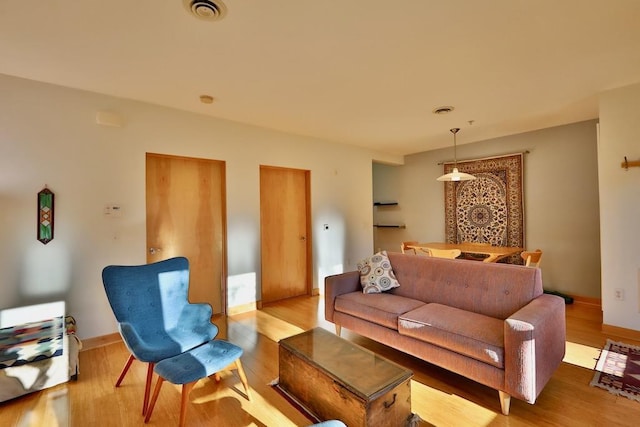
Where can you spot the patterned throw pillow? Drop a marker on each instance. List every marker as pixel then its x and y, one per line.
pixel 376 274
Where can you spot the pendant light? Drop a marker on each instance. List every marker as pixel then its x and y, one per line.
pixel 455 175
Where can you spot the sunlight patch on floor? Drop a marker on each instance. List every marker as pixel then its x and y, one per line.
pixel 228 395
pixel 581 355
pixel 229 384
pixel 52 410
pixel 274 328
pixel 440 415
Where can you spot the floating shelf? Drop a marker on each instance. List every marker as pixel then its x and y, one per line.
pixel 390 225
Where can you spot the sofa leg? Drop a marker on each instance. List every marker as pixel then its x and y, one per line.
pixel 505 402
pixel 338 329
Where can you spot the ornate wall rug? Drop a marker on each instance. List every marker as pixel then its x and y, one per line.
pixel 489 209
pixel 618 370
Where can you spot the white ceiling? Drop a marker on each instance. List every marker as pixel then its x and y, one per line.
pixel 362 72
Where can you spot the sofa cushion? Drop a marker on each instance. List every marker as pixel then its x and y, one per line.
pixel 382 309
pixel 475 335
pixel 376 274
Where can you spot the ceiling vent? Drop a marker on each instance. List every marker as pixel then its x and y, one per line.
pixel 206 9
pixel 446 109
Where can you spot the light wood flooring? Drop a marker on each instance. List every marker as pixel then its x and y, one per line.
pixel 439 397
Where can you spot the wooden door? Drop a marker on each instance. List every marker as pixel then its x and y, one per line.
pixel 186 217
pixel 284 233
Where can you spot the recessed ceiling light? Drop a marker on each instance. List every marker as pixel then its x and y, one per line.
pixel 206 99
pixel 210 10
pixel 443 110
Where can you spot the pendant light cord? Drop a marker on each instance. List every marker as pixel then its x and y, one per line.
pixel 454 131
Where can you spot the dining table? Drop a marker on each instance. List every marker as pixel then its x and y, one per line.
pixel 493 253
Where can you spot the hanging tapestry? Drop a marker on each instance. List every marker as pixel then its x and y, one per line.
pixel 490 208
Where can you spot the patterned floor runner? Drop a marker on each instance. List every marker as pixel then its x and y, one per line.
pixel 618 370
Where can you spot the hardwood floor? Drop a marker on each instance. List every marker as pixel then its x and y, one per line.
pixel 439 397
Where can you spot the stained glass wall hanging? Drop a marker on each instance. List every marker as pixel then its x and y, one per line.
pixel 45 215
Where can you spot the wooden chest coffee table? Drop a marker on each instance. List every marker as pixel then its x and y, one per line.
pixel 336 379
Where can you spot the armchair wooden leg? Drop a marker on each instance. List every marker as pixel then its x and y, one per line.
pixel 338 329
pixel 505 401
pixel 243 378
pixel 186 389
pixel 156 392
pixel 147 387
pixel 125 369
pixel 173 370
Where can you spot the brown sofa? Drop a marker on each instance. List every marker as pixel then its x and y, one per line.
pixel 489 322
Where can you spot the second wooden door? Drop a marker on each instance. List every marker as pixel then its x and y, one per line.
pixel 284 233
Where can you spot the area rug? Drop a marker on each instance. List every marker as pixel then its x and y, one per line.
pixel 489 209
pixel 618 370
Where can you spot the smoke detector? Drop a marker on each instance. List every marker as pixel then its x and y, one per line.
pixel 206 9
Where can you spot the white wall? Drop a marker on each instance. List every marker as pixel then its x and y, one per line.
pixel 620 205
pixel 387 187
pixel 48 135
pixel 561 200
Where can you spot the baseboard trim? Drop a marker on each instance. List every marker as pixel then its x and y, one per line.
pixel 608 329
pixel 243 308
pixel 101 341
pixel 587 300
pixel 621 332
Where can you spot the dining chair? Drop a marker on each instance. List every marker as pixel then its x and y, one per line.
pixel 422 251
pixel 475 256
pixel 442 253
pixel 155 319
pixel 532 258
pixel 404 247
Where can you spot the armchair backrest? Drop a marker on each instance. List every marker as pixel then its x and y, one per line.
pixel 151 297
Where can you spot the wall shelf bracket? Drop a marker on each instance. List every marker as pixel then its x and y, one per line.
pixel 627 164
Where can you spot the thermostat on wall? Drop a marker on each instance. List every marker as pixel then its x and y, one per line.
pixel 113 210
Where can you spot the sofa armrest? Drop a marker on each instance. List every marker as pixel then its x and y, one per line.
pixel 339 284
pixel 534 346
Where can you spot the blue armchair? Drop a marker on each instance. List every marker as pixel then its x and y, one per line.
pixel 155 319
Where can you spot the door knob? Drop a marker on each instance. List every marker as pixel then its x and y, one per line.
pixel 154 251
